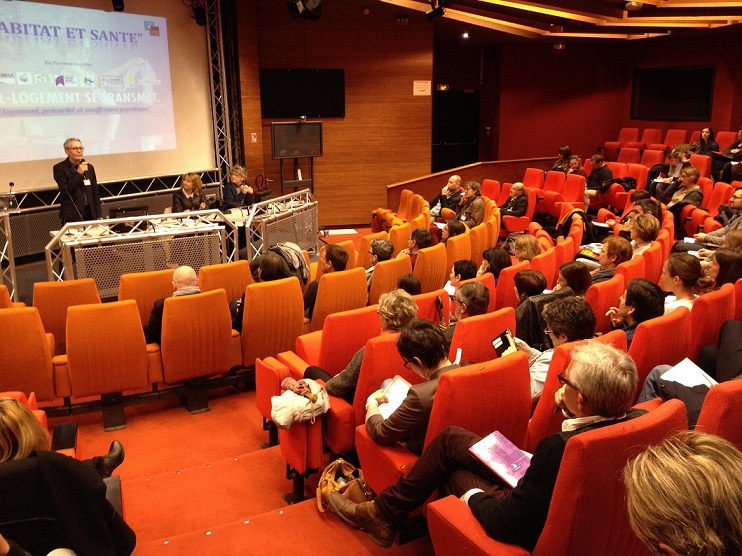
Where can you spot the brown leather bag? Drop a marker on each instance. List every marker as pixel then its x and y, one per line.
pixel 343 477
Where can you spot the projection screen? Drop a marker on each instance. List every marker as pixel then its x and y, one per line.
pixel 133 86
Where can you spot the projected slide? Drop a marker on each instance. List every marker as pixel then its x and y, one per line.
pixel 101 76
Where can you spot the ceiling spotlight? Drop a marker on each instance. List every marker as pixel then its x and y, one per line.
pixel 435 12
pixel 633 6
pixel 560 46
pixel 465 35
pixel 118 5
pixel 199 13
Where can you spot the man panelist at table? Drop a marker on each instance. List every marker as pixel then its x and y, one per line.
pixel 79 196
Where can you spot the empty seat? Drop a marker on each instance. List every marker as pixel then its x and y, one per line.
pixel 197 343
pixel 107 364
pixel 53 298
pixel 474 335
pixel 458 248
pixel 273 318
pixel 145 288
pixel 625 135
pixel 629 155
pixel 649 136
pixel 338 291
pixel 386 275
pixel 601 297
pixel 430 267
pixel 26 352
pixel 233 278
pixel 5 301
pixel 672 137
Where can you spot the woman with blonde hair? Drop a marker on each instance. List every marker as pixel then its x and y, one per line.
pixel 396 309
pixel 20 432
pixel 190 195
pixel 526 247
pixel 644 230
pixel 684 496
pixel 86 523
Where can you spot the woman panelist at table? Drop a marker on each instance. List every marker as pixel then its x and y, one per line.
pixel 189 197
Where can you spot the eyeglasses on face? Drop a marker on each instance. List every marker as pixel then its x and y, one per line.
pixel 548 331
pixel 406 362
pixel 564 380
pixel 455 299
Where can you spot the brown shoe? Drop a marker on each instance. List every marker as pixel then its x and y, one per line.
pixel 363 516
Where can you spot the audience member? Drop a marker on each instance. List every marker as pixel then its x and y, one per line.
pixel 706 145
pixel 733 240
pixel 721 362
pixel 264 268
pixel 575 275
pixel 460 271
pixel 684 496
pixel 22 437
pixel 449 197
pixel 616 250
pixel 600 374
pixel 722 164
pixel 450 229
pixel 517 203
pixel 494 260
pixel 526 247
pixel 641 203
pixel 725 267
pixel 679 160
pixel 380 250
pixel 410 283
pixel 642 300
pixel 724 361
pixel 599 174
pixel 644 231
pixel 190 195
pixel 419 239
pixel 529 283
pixel 686 192
pixel 185 282
pixel 575 167
pixel 471 206
pixel 682 275
pixel 562 163
pixel 396 310
pixel 423 349
pixel 236 191
pixel 717 236
pixel 567 319
pixel 333 258
pixel 470 299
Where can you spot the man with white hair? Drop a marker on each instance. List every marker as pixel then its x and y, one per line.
pixel 517 203
pixel 597 390
pixel 185 282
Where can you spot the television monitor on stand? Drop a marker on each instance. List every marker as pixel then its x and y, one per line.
pixel 295 140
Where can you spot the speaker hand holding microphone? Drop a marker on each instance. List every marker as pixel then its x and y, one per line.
pixel 82 168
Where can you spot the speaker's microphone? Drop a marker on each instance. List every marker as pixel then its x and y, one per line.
pixel 85 173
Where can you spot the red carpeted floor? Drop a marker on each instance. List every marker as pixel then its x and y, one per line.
pixel 201 484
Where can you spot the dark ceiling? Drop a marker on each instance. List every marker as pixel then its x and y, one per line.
pixel 574 20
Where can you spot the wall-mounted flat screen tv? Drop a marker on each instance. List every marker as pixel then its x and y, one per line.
pixel 291 93
pixel 296 139
pixel 673 94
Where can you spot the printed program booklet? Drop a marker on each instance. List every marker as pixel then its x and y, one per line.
pixel 503 457
pixel 396 392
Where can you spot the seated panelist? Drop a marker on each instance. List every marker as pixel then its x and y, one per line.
pixel 190 195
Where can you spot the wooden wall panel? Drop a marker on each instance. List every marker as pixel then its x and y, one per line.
pixel 386 133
